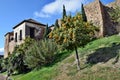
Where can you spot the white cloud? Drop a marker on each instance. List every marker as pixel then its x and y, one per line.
pixel 1 49
pixel 37 14
pixel 56 7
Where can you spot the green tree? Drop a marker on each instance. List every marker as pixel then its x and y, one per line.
pixel 15 61
pixel 5 63
pixel 64 11
pixel 83 13
pixel 46 32
pixel 74 32
pixel 56 24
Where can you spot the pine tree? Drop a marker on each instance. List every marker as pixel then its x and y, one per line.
pixel 56 24
pixel 64 11
pixel 83 13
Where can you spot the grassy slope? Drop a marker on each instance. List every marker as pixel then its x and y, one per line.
pixel 103 54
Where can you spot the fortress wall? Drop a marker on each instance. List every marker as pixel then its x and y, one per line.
pixel 11 46
pixel 109 27
pixel 94 14
pixel 8 44
pixel 6 47
pixel 98 14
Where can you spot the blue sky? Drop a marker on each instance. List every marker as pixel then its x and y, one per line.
pixel 45 11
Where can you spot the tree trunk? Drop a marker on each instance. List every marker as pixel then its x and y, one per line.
pixel 77 59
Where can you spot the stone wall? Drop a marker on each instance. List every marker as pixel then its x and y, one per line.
pixel 25 27
pixel 118 27
pixel 94 15
pixel 17 30
pixel 109 27
pixel 39 30
pixel 8 48
pixel 11 46
pixel 97 14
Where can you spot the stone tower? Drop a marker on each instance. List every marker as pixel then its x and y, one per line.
pixel 97 14
pixel 9 44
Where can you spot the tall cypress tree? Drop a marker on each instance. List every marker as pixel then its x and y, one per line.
pixel 83 13
pixel 56 24
pixel 46 32
pixel 64 11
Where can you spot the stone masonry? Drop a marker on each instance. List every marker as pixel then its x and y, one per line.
pixel 98 14
pixel 9 44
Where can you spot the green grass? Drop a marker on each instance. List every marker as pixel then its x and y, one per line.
pixel 104 51
pixel 46 73
pixel 103 42
pixel 42 74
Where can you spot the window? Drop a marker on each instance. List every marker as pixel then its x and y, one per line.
pixel 32 32
pixel 20 34
pixel 15 37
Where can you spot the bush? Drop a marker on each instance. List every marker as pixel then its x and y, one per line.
pixel 41 53
pixel 1 64
pixel 115 14
pixel 15 61
pixel 5 63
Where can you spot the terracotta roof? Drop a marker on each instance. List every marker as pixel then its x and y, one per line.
pixel 30 21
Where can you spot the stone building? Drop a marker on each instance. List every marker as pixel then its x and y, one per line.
pixel 22 30
pixel 98 14
pixel 9 44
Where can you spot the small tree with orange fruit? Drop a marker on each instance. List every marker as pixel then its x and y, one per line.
pixel 73 33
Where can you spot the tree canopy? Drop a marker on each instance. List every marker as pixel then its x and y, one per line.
pixel 73 32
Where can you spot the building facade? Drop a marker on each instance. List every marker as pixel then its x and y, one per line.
pixel 27 28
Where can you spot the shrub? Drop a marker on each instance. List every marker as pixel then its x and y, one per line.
pixel 5 63
pixel 15 61
pixel 1 64
pixel 41 53
pixel 115 14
